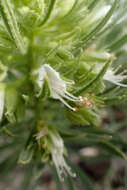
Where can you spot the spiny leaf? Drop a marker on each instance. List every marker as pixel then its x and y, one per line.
pixel 119 43
pixel 93 4
pixel 102 142
pixel 49 11
pixel 94 32
pixel 95 80
pixel 56 178
pixel 69 183
pixel 87 183
pixel 27 177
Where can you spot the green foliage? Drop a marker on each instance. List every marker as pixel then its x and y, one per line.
pixel 59 68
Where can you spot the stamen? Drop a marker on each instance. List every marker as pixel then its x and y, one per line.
pixel 86 102
pixel 120 84
pixel 75 109
pixel 74 97
pixel 64 102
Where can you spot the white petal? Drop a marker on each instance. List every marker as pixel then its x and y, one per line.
pixel 57 86
pixel 56 139
pixel 115 78
pixel 57 152
pixel 2 97
pixel 41 76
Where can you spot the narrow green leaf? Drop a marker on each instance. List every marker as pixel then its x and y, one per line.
pixel 49 12
pixel 8 164
pixel 69 183
pixel 93 4
pixel 101 24
pixel 11 24
pixel 116 99
pixel 27 178
pixel 94 81
pixel 98 28
pixel 56 178
pixel 119 43
pixel 87 183
pixel 100 141
pixel 114 149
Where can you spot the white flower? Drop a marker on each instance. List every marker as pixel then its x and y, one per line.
pixel 57 152
pixel 114 78
pixel 2 97
pixel 57 86
pixel 41 74
pixel 56 148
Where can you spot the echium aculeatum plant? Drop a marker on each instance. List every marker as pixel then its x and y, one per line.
pixel 56 71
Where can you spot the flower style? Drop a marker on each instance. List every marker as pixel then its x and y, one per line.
pixel 56 148
pixel 114 78
pixel 57 86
